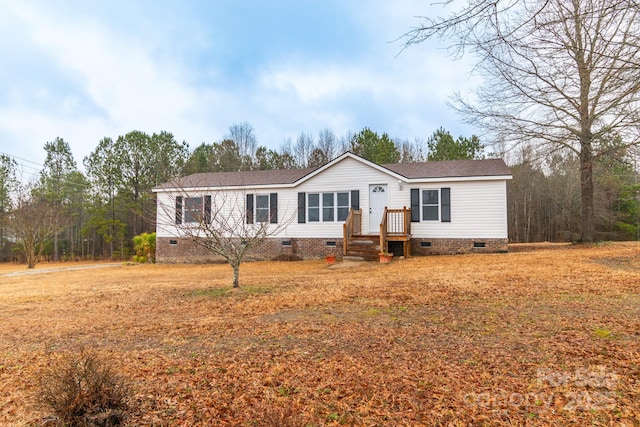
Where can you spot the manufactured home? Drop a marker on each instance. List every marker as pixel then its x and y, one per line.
pixel 349 206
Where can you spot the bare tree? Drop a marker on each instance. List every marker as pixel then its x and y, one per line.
pixel 328 144
pixel 302 149
pixel 226 223
pixel 244 137
pixel 557 73
pixel 33 221
pixel 410 152
pixel 344 143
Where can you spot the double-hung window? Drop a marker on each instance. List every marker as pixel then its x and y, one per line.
pixel 328 203
pixel 314 207
pixel 328 207
pixel 343 206
pixel 262 208
pixel 430 205
pixel 193 209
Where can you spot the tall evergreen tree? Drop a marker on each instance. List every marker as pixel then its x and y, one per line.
pixel 442 146
pixel 55 187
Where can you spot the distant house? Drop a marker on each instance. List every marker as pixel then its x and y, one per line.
pixel 349 206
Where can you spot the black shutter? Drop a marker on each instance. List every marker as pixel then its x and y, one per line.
pixel 355 199
pixel 445 200
pixel 249 208
pixel 302 208
pixel 273 208
pixel 178 209
pixel 207 209
pixel 415 205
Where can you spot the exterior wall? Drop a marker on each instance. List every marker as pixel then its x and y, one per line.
pixel 478 210
pixel 478 215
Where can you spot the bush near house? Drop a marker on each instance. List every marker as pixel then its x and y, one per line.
pixel 145 247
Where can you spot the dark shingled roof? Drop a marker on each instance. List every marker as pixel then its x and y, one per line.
pixel 241 178
pixel 450 169
pixel 445 169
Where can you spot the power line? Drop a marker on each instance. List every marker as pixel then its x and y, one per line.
pixel 20 158
pixel 37 171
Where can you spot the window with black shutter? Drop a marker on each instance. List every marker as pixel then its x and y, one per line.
pixel 178 209
pixel 249 209
pixel 302 198
pixel 415 205
pixel 445 200
pixel 273 208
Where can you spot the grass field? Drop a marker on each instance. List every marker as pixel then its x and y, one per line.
pixel 538 336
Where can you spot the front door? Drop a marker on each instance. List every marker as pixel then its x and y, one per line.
pixel 377 202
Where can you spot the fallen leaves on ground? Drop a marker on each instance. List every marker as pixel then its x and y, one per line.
pixel 541 336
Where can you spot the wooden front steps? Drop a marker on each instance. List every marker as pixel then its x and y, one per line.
pixel 363 247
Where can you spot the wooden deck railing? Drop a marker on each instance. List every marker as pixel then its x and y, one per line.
pixel 352 226
pixel 395 225
pixel 383 231
pixel 398 221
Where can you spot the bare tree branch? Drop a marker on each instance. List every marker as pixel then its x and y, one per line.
pixel 220 221
pixel 557 73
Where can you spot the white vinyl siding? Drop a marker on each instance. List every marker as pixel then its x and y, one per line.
pixel 478 210
pixel 478 207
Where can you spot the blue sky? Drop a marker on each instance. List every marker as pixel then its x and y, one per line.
pixel 83 70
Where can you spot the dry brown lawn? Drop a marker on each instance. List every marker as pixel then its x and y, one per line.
pixel 541 336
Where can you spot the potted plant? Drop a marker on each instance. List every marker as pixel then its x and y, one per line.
pixel 330 258
pixel 385 257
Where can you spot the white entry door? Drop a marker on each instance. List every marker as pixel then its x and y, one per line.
pixel 377 201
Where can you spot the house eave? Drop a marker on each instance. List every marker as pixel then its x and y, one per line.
pixel 457 179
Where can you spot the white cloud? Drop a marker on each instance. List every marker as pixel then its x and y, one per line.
pixel 104 79
pixel 129 88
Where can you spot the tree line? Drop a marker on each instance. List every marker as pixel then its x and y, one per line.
pixel 67 213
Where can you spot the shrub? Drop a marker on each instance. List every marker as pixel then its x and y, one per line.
pixel 145 246
pixel 83 390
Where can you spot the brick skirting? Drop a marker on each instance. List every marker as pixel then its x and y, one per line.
pixel 179 250
pixel 457 246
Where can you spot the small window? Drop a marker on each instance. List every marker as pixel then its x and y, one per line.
pixel 328 207
pixel 314 207
pixel 286 243
pixel 378 189
pixel 173 242
pixel 430 205
pixel 331 243
pixel 478 244
pixel 262 208
pixel 192 209
pixel 425 244
pixel 343 206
